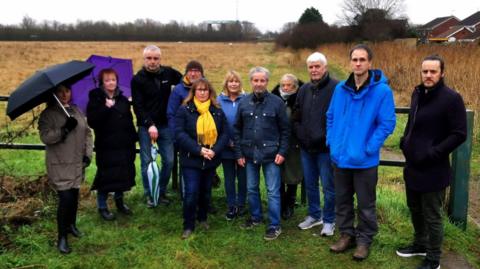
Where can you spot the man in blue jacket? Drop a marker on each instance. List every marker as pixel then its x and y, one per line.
pixel 360 117
pixel 261 133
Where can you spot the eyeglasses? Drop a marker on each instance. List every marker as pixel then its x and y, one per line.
pixel 152 58
pixel 201 90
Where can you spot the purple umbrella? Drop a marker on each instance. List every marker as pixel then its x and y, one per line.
pixel 123 67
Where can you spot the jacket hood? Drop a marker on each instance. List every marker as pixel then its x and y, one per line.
pixel 377 77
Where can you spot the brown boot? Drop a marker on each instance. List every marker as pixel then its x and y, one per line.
pixel 361 252
pixel 344 242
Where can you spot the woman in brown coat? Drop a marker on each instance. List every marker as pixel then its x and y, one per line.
pixel 68 143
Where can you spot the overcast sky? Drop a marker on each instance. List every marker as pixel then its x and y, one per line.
pixel 267 14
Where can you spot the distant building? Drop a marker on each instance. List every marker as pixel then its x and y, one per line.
pixel 451 29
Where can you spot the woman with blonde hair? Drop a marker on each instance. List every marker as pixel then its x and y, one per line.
pixel 201 134
pixel 229 99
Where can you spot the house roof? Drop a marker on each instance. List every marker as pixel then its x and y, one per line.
pixel 453 30
pixel 472 19
pixel 434 23
pixel 473 36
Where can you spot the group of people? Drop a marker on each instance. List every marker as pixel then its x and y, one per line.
pixel 322 131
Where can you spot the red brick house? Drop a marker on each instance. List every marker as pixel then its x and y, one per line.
pixel 438 26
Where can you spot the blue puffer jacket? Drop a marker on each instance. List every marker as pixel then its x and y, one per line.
pixel 175 100
pixel 261 129
pixel 359 123
pixel 186 136
pixel 230 108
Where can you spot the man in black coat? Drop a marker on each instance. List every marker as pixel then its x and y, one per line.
pixel 261 133
pixel 151 88
pixel 309 123
pixel 436 126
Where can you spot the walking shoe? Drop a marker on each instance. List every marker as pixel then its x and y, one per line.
pixel 163 199
pixel 150 202
pixel 122 207
pixel 106 214
pixel 411 251
pixel 344 242
pixel 186 233
pixel 328 229
pixel 232 213
pixel 309 222
pixel 361 252
pixel 250 224
pixel 272 233
pixel 242 211
pixel 427 264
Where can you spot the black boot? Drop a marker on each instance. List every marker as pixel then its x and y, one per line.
pixel 72 227
pixel 106 214
pixel 74 231
pixel 62 244
pixel 65 201
pixel 122 207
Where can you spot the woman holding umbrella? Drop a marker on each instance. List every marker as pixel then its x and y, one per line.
pixel 68 143
pixel 201 133
pixel 109 115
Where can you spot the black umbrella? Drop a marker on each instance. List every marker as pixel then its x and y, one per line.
pixel 38 88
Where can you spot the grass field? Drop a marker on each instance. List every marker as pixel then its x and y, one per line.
pixel 151 238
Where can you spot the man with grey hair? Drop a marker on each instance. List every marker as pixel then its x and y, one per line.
pixel 151 88
pixel 261 133
pixel 309 123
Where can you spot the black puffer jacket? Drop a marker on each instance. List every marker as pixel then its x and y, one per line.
pixel 150 93
pixel 115 139
pixel 436 126
pixel 309 114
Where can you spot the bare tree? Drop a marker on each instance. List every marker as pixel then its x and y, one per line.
pixel 353 9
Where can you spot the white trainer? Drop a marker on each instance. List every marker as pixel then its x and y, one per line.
pixel 309 222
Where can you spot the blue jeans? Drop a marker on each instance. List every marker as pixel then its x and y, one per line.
pixel 271 173
pixel 232 170
pixel 165 149
pixel 197 185
pixel 103 196
pixel 317 165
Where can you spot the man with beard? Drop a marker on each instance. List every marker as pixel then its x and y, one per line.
pixel 436 126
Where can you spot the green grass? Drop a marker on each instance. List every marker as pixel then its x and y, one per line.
pixel 151 238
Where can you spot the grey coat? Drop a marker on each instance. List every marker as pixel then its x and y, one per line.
pixel 64 157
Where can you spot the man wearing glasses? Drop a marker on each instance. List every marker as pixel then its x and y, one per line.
pixel 151 88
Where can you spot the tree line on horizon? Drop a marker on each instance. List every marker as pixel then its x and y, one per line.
pixel 363 20
pixel 139 30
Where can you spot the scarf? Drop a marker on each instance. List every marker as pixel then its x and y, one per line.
pixel 186 82
pixel 284 94
pixel 206 128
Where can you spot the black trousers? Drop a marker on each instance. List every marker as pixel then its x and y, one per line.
pixel 426 213
pixel 67 210
pixel 288 195
pixel 363 184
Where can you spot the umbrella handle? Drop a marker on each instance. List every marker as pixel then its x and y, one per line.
pixel 60 104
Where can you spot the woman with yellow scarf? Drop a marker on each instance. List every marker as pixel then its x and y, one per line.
pixel 201 133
